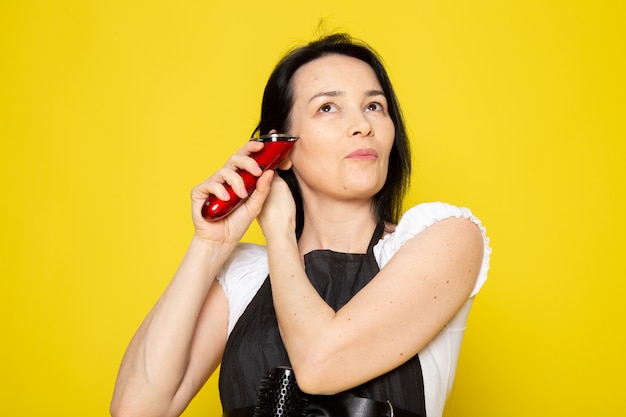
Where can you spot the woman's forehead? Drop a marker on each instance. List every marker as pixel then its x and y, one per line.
pixel 333 74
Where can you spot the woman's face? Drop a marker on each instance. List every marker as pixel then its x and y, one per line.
pixel 346 134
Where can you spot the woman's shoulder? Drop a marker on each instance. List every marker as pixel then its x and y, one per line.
pixel 418 218
pixel 423 215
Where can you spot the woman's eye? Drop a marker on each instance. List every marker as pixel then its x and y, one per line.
pixel 374 107
pixel 327 108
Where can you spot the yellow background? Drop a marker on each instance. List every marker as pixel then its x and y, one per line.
pixel 112 110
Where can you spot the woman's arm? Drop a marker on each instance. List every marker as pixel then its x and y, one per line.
pixel 181 341
pixel 391 319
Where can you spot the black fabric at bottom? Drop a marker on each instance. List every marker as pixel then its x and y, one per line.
pixel 255 345
pixel 338 406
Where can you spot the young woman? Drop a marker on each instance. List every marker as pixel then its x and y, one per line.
pixel 367 304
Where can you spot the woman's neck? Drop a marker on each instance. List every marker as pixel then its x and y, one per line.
pixel 339 226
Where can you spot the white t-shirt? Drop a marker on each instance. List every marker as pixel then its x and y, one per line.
pixel 244 272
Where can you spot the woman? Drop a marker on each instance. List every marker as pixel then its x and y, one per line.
pixel 358 304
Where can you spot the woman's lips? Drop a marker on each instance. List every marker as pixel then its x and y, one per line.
pixel 363 154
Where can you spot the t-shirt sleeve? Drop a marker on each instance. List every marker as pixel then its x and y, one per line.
pixel 419 218
pixel 241 277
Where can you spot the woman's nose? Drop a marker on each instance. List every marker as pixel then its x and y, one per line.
pixel 360 125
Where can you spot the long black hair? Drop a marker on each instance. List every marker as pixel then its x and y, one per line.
pixel 278 101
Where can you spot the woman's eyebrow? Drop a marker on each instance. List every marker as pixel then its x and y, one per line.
pixel 333 93
pixel 336 93
pixel 371 93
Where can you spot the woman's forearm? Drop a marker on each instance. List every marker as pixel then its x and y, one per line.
pixel 156 364
pixel 300 311
pixel 388 321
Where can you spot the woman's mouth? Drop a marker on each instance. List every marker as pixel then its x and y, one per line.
pixel 363 154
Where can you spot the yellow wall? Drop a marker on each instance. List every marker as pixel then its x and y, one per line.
pixel 112 110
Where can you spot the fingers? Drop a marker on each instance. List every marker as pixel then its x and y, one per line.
pixel 250 147
pixel 264 183
pixel 230 175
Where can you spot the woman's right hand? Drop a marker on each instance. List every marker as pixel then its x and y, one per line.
pixel 231 228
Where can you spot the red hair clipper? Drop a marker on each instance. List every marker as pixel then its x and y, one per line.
pixel 277 146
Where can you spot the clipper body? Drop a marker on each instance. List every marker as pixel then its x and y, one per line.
pixel 277 146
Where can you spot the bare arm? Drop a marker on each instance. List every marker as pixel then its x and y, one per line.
pixel 178 345
pixel 391 319
pixel 181 341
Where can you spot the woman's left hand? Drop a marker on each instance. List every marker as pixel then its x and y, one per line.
pixel 278 216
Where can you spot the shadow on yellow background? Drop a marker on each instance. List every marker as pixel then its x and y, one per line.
pixel 112 111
